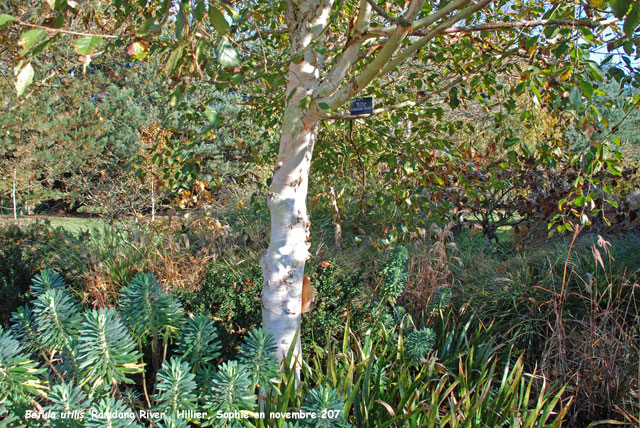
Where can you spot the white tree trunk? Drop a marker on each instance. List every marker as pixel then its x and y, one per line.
pixel 283 262
pixel 13 195
pixel 153 197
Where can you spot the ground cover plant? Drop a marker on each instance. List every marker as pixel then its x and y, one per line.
pixel 57 357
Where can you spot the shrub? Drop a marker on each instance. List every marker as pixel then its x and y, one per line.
pixel 26 250
pixel 341 291
pixel 230 294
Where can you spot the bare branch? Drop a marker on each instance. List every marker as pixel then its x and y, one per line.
pixel 429 20
pixel 364 17
pixel 373 68
pixel 404 55
pixel 442 88
pixel 259 34
pixel 60 30
pixel 349 55
pixel 532 23
pixel 380 11
pixel 408 103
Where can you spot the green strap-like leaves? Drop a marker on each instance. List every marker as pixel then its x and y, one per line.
pixel 258 354
pixel 148 310
pixel 229 390
pixel 58 318
pixel 18 373
pixel 177 387
pixel 66 398
pixel 198 342
pixel 106 351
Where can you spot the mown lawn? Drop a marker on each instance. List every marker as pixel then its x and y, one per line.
pixel 72 224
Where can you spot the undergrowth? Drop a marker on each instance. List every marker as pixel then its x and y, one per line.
pixel 571 309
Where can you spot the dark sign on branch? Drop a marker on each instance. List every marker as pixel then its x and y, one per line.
pixel 362 106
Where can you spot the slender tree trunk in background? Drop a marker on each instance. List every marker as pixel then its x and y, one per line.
pixel 13 195
pixel 153 198
pixel 283 262
pixel 336 219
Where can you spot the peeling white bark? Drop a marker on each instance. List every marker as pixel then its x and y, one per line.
pixel 283 262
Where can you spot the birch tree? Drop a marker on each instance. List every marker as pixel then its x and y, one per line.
pixel 302 61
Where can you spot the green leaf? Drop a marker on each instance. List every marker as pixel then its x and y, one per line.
pixel 198 12
pixel 86 45
pixel 229 389
pixel 57 4
pixel 587 89
pixel 521 87
pixel 538 98
pixel 323 106
pixel 44 45
pixel 510 142
pixel 227 55
pixel 575 97
pixel 614 168
pixel 180 24
pixel 174 61
pixel 579 201
pixel 4 19
pixel 218 21
pixel 231 11
pixel 258 356
pixel 632 21
pixel 20 374
pixel 320 49
pixel 29 38
pixel 454 101
pixel 198 342
pixel 163 318
pixel 620 7
pixel 25 78
pixel 176 387
pixel 213 116
pixel 305 102
pixel 57 318
pixel 106 350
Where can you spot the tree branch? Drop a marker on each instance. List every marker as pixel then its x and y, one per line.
pixel 404 55
pixel 373 69
pixel 532 23
pixel 259 34
pixel 349 55
pixel 408 103
pixel 59 30
pixel 441 89
pixel 429 20
pixel 380 11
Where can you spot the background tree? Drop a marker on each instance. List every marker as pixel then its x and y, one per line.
pixel 71 146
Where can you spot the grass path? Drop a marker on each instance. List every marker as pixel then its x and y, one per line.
pixel 71 224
